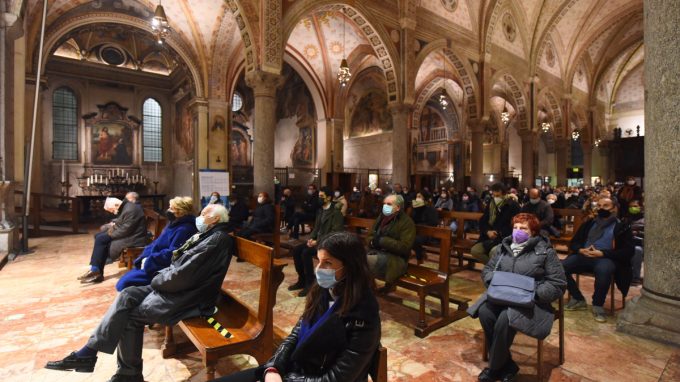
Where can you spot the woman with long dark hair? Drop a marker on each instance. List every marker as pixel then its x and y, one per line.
pixel 338 335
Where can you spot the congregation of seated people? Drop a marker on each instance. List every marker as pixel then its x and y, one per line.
pixel 180 273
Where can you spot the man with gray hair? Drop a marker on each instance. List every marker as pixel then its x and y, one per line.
pixel 189 287
pixel 390 241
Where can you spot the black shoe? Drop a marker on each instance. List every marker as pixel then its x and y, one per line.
pixel 509 372
pixel 127 378
pixel 303 292
pixel 487 376
pixel 72 362
pixel 85 275
pixel 297 286
pixel 95 277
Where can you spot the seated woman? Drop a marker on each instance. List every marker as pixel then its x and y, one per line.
pixel 263 218
pixel 338 335
pixel 158 254
pixel 528 254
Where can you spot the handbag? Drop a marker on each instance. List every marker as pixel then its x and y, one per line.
pixel 511 289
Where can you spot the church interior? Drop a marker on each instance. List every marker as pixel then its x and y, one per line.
pixel 366 101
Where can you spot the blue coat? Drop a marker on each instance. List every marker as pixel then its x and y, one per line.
pixel 159 252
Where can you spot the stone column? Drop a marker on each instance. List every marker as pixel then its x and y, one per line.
pixel 587 163
pixel 329 146
pixel 477 155
pixel 199 107
pixel 264 85
pixel 400 142
pixel 656 313
pixel 561 147
pixel 528 173
pixel 218 134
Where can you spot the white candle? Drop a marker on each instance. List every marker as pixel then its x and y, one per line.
pixel 88 181
pixel 106 181
pixel 63 173
pixel 156 174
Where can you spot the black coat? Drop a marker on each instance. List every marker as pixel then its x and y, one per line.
pixel 502 224
pixel 342 349
pixel 129 230
pixel 288 206
pixel 263 218
pixel 238 213
pixel 621 253
pixel 425 215
pixel 543 212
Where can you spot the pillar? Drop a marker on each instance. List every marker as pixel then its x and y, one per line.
pixel 587 163
pixel 218 134
pixel 528 173
pixel 199 107
pixel 561 147
pixel 400 142
pixel 264 85
pixel 656 313
pixel 329 146
pixel 477 154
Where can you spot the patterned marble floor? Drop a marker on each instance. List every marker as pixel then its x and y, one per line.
pixel 45 314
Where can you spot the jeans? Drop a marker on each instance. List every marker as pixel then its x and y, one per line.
pixel 100 251
pixel 304 263
pixel 603 269
pixel 499 335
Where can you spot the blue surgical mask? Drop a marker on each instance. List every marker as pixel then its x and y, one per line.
pixel 213 199
pixel 201 226
pixel 325 278
pixel 387 210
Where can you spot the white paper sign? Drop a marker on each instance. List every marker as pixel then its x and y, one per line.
pixel 210 181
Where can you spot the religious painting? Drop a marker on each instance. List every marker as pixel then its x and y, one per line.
pixel 509 28
pixel 370 115
pixel 239 148
pixel 430 120
pixel 217 143
pixel 184 129
pixel 112 139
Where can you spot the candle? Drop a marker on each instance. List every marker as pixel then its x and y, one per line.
pixel 88 181
pixel 63 174
pixel 156 174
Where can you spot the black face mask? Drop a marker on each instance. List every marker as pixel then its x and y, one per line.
pixel 603 213
pixel 170 215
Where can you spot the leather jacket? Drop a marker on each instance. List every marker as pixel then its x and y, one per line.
pixel 341 349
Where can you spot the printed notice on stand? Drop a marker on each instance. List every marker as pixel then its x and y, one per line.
pixel 213 180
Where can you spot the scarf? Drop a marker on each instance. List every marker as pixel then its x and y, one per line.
pixel 518 247
pixel 494 209
pixel 599 227
pixel 307 327
pixel 187 244
pixel 387 220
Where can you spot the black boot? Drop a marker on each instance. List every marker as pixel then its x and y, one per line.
pixel 127 378
pixel 72 362
pixel 297 286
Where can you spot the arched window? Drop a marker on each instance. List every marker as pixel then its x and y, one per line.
pixel 64 124
pixel 152 133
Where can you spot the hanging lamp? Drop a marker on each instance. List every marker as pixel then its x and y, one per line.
pixel 344 74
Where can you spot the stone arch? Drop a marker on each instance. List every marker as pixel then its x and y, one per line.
pixel 462 70
pixel 517 96
pixel 56 31
pixel 556 110
pixel 247 35
pixel 498 9
pixel 426 93
pixel 320 101
pixel 372 29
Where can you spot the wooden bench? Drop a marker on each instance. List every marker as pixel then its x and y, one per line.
pixel 427 281
pixel 463 243
pixel 252 332
pixel 155 223
pixel 572 219
pixel 272 239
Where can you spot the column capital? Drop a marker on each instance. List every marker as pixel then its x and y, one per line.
pixel 264 83
pixel 7 19
pixel 399 108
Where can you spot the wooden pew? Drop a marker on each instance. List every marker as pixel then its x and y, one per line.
pixel 462 243
pixel 273 239
pixel 252 332
pixel 572 219
pixel 155 223
pixel 426 281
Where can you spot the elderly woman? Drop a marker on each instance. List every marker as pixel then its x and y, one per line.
pixel 158 255
pixel 525 253
pixel 337 337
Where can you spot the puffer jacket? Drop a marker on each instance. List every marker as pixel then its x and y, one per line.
pixel 538 260
pixel 341 349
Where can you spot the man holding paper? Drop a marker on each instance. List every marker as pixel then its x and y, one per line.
pixel 128 230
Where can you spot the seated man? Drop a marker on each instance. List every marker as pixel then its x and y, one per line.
pixel 157 255
pixel 390 241
pixel 541 209
pixel 238 212
pixel 309 207
pixel 288 208
pixel 263 218
pixel 128 230
pixel 495 224
pixel 603 246
pixel 187 288
pixel 329 219
pixel 422 214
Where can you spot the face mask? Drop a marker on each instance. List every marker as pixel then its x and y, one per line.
pixel 337 194
pixel 631 182
pixel 355 189
pixel 551 201
pixel 498 199
pixel 519 236
pixel 170 215
pixel 231 203
pixel 201 225
pixel 325 278
pixel 534 201
pixel 465 198
pixel 593 204
pixel 634 210
pixel 567 195
pixel 387 210
pixel 602 213
pixel 260 199
pixel 213 199
pixel 310 192
pixel 443 196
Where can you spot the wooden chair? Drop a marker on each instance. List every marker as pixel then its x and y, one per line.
pixel 251 332
pixel 427 281
pixel 155 223
pixel 572 220
pixel 462 244
pixel 612 292
pixel 559 316
pixel 382 365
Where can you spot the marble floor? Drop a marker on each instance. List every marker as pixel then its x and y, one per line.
pixel 45 314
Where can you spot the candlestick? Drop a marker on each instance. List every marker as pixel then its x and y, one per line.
pixel 88 181
pixel 156 171
pixel 63 175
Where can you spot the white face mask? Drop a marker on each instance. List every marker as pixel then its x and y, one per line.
pixel 260 199
pixel 498 199
pixel 337 194
pixel 631 182
pixel 551 201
